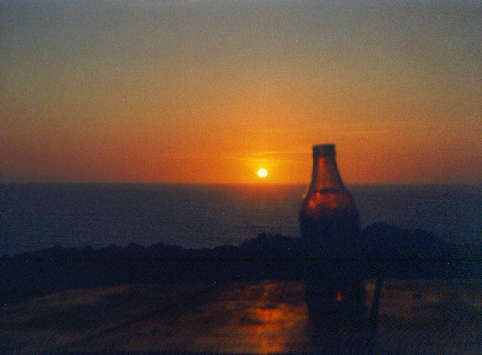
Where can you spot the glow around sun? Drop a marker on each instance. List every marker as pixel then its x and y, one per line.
pixel 262 173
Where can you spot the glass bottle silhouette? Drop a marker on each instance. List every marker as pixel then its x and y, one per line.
pixel 330 230
pixel 329 220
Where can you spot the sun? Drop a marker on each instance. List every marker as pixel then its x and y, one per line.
pixel 262 173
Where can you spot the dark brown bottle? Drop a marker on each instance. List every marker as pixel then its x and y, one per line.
pixel 329 220
pixel 334 282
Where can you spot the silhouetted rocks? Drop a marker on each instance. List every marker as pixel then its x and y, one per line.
pixel 397 243
pixel 387 250
pixel 401 253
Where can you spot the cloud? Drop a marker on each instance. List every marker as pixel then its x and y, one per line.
pixel 363 132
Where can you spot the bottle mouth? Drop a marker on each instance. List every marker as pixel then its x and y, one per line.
pixel 324 150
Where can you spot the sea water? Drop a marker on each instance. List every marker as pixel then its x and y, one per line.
pixel 37 216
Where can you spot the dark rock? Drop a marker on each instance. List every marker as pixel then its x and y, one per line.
pixel 387 250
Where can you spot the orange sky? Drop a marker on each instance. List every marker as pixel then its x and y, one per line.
pixel 211 91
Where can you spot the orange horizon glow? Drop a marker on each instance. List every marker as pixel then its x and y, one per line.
pixel 193 92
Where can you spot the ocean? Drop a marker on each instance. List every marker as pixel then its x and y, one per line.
pixel 38 216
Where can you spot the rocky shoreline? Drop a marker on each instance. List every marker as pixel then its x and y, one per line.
pixel 387 250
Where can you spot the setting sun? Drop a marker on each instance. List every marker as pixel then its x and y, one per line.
pixel 262 173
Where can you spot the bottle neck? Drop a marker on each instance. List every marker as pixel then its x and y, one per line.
pixel 325 173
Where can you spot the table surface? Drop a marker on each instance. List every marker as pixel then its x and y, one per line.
pixel 415 316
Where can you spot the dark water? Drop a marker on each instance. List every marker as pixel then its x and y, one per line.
pixel 36 216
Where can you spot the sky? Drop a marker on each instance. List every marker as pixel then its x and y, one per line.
pixel 211 91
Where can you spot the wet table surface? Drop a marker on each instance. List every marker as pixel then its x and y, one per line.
pixel 247 317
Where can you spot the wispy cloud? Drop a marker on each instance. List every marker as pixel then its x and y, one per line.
pixel 363 132
pixel 274 157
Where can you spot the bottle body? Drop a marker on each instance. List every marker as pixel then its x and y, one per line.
pixel 331 236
